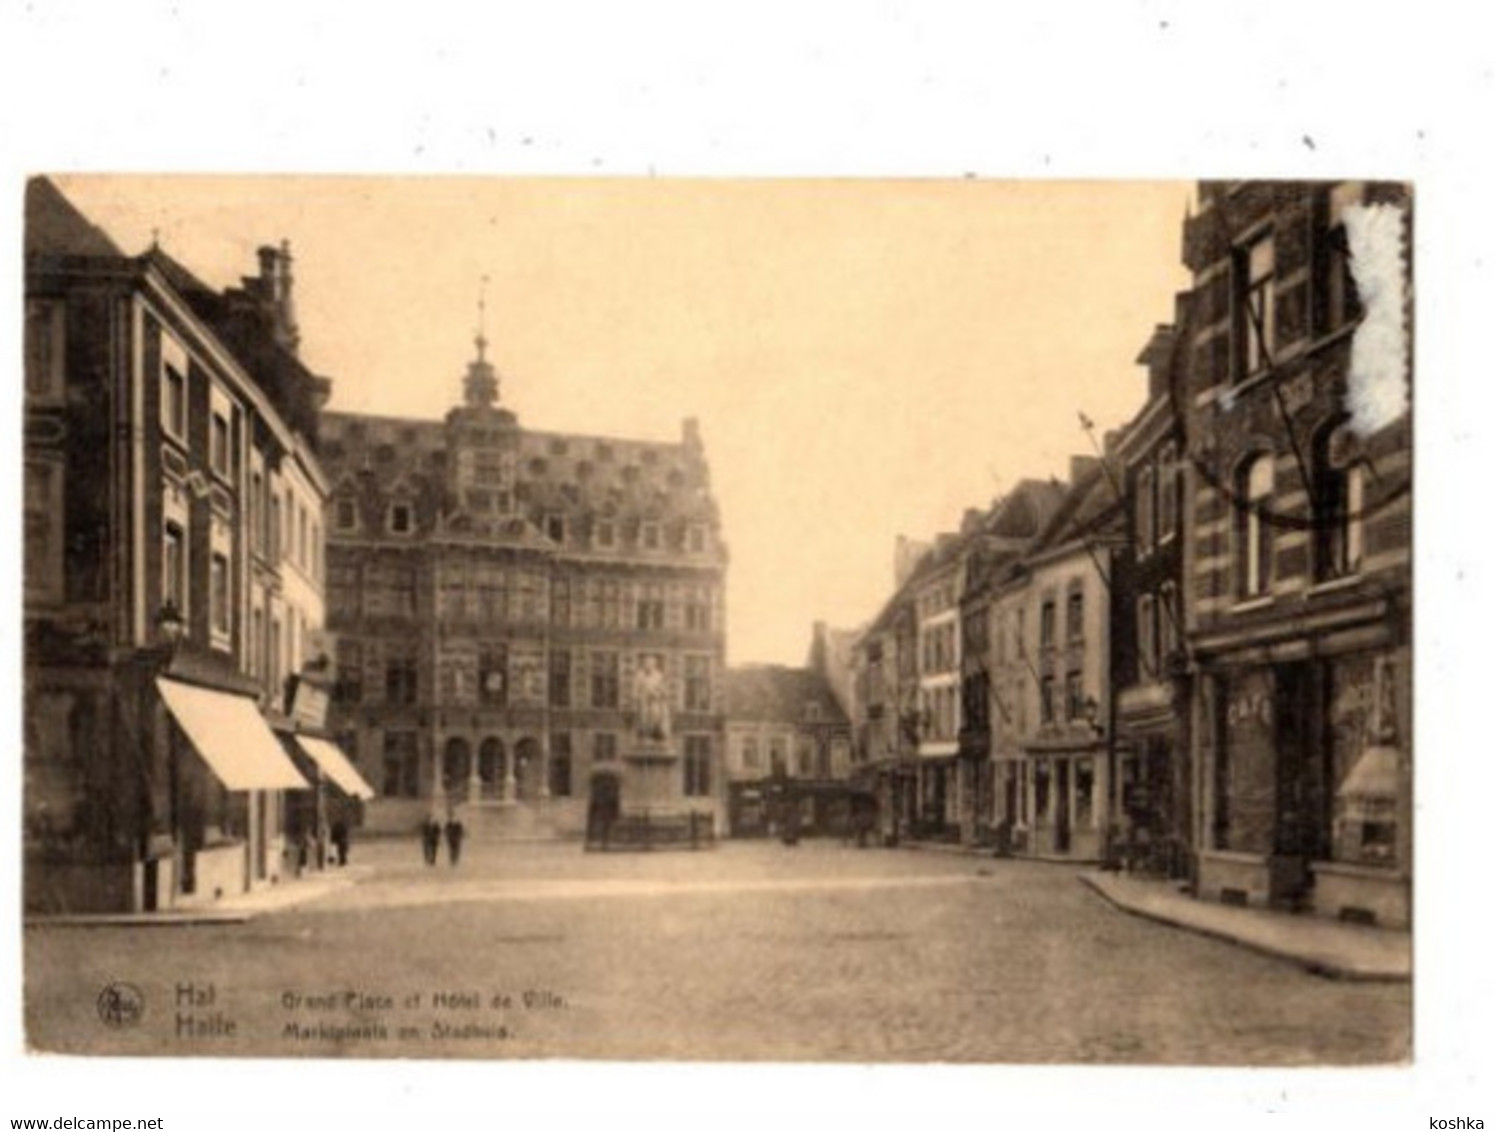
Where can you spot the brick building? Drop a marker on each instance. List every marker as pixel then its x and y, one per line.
pixel 1298 544
pixel 172 569
pixel 528 624
pixel 1155 807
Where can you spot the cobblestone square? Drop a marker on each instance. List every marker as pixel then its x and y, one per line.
pixel 751 951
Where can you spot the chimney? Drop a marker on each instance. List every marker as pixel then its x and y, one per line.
pixel 818 649
pixel 906 555
pixel 268 256
pixel 1157 356
pixel 272 292
pixel 690 432
pixel 286 331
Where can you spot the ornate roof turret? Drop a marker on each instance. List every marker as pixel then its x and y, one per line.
pixel 480 386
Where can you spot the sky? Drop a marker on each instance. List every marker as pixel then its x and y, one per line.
pixel 866 358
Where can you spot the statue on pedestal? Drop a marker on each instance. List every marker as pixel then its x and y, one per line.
pixel 653 701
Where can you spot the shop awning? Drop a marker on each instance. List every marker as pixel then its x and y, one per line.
pixel 335 765
pixel 232 737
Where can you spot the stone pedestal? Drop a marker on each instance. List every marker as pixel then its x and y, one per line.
pixel 651 781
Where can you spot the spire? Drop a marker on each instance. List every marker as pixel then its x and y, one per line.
pixel 482 339
pixel 480 386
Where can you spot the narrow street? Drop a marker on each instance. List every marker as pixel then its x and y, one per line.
pixel 752 951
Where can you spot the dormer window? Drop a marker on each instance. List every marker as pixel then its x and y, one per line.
pixel 555 528
pixel 401 518
pixel 697 540
pixel 812 712
pixel 607 534
pixel 649 536
pixel 345 514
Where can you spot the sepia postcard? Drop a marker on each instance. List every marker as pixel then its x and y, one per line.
pixel 960 620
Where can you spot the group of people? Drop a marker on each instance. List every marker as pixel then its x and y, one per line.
pixel 431 832
pixel 309 847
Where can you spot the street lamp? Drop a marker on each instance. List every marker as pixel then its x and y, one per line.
pixel 172 627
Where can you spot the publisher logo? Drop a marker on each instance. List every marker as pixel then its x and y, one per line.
pixel 121 1006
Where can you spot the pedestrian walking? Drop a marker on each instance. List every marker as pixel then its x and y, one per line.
pixel 454 833
pixel 340 841
pixel 430 836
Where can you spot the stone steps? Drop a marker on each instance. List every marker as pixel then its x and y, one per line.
pixel 507 821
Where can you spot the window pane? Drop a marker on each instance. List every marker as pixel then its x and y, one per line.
pixel 1260 260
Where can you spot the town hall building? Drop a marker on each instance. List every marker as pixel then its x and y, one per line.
pixel 529 626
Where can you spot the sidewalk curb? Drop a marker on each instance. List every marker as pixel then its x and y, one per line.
pixel 1313 964
pixel 167 919
pixel 236 910
pixel 989 854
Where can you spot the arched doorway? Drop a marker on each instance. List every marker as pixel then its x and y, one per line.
pixel 602 806
pixel 456 765
pixel 527 769
pixel 491 767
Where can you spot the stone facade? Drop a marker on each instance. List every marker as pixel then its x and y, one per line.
pixel 508 604
pixel 171 486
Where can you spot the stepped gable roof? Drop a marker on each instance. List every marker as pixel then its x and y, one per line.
pixel 559 473
pixel 777 693
pixel 55 227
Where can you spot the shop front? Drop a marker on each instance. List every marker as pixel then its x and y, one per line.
pixel 1067 800
pixel 1154 821
pixel 227 804
pixel 748 808
pixel 1309 792
pixel 938 800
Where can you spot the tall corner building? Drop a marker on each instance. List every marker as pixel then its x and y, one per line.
pixel 173 573
pixel 529 625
